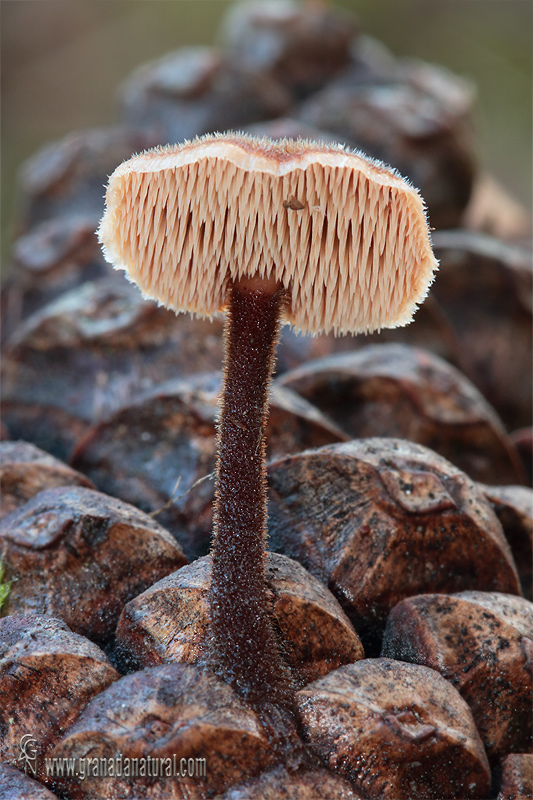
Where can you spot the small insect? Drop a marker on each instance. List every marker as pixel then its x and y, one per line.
pixel 293 203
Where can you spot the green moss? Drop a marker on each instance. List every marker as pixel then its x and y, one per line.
pixel 5 586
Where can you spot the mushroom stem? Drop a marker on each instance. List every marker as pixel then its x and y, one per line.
pixel 245 650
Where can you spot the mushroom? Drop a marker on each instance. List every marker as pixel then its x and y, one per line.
pixel 269 231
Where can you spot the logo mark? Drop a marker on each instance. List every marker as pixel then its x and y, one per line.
pixel 28 753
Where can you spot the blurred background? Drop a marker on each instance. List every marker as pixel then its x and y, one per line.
pixel 64 60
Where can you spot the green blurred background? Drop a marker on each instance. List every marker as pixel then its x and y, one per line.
pixel 63 61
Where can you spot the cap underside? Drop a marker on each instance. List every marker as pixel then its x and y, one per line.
pixel 348 239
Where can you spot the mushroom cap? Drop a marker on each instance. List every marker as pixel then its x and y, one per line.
pixel 346 236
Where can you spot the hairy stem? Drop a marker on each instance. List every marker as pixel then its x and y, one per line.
pixel 244 644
